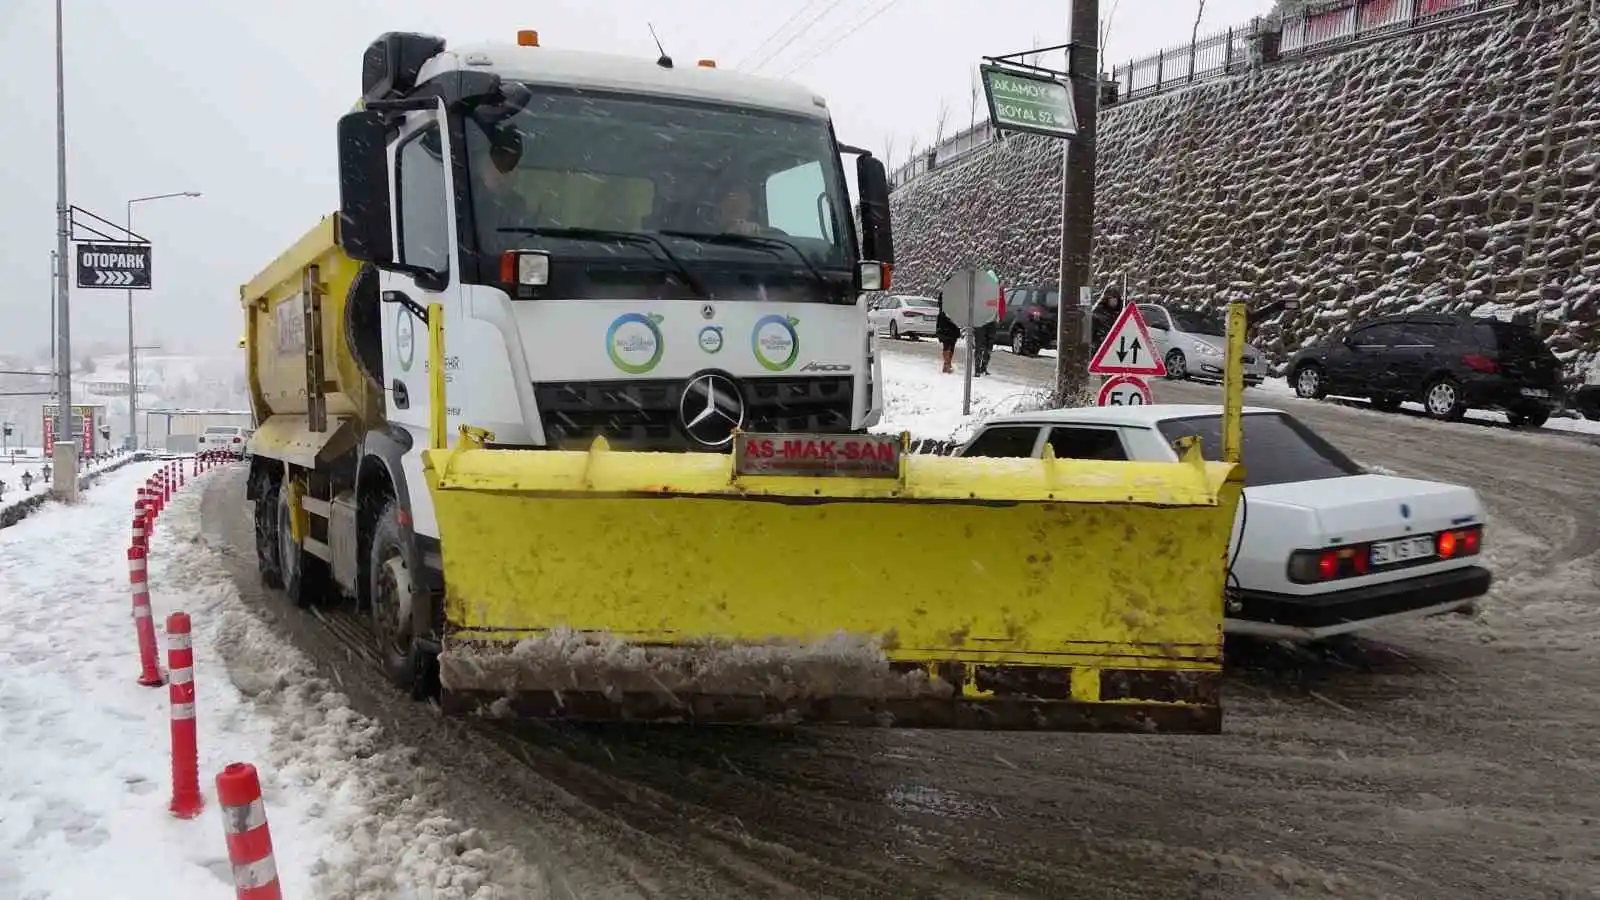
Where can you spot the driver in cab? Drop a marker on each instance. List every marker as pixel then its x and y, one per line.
pixel 734 214
pixel 502 204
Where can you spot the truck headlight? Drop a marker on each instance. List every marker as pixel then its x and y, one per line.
pixel 525 268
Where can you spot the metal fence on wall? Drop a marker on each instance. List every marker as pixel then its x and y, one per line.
pixel 1322 28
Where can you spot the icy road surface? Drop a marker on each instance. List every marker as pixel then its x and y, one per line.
pixel 1443 759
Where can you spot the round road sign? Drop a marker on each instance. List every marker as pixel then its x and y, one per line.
pixel 971 289
pixel 1124 390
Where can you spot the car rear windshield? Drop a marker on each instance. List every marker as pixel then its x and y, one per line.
pixel 223 429
pixel 920 302
pixel 1278 449
pixel 1051 299
pixel 1519 340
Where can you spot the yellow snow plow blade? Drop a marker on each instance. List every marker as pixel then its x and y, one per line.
pixel 938 592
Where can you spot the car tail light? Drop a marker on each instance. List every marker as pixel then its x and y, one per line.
pixel 1459 542
pixel 1033 313
pixel 236 440
pixel 1354 560
pixel 1477 362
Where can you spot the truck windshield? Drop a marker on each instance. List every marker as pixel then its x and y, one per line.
pixel 751 202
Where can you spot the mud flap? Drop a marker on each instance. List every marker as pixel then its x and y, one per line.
pixel 975 593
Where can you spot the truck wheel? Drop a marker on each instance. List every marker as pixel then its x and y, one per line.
pixel 392 589
pixel 266 518
pixel 305 577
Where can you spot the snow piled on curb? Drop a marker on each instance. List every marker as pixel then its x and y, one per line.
pixel 926 402
pixel 378 805
pixel 85 778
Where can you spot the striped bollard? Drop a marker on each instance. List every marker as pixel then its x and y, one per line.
pixel 244 823
pixel 166 483
pixel 143 627
pixel 181 465
pixel 186 799
pixel 138 529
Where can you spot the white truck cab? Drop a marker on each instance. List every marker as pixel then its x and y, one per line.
pixel 622 248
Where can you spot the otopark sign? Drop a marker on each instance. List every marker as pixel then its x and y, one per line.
pixel 114 266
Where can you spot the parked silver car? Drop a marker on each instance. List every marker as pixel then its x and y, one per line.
pixel 1193 342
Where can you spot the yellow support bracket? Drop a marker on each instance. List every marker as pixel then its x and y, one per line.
pixel 1233 386
pixel 437 436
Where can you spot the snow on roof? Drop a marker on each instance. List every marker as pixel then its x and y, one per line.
pixel 630 74
pixel 1147 416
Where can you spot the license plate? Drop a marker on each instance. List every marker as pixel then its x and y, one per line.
pixel 1388 552
pixel 1535 392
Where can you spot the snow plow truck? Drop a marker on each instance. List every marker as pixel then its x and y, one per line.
pixel 572 401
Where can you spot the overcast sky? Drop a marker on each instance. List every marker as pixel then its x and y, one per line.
pixel 239 101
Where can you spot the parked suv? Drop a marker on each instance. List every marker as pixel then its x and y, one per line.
pixel 1449 364
pixel 1029 324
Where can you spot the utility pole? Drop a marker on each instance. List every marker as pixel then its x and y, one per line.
pixel 1077 205
pixel 133 357
pixel 53 263
pixel 65 482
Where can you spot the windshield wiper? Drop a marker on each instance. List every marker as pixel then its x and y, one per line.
pixel 624 237
pixel 752 240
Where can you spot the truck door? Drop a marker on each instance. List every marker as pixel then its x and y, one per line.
pixel 425 236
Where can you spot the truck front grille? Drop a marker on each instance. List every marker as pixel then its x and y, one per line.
pixel 643 415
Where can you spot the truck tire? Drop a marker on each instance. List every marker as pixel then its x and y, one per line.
pixel 390 588
pixel 266 520
pixel 304 576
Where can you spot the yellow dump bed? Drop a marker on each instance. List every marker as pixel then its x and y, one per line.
pixel 303 370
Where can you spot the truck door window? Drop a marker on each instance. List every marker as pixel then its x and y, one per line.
pixel 1005 441
pixel 792 202
pixel 424 202
pixel 1087 443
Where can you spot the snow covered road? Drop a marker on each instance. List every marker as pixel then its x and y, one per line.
pixel 1446 758
pixel 84 779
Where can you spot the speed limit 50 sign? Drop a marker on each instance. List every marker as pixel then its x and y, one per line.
pixel 1124 390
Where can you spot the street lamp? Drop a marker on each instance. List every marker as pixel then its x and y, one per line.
pixel 133 363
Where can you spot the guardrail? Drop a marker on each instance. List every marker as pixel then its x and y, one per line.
pixel 1326 27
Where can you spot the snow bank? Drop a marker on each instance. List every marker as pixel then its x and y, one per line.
pixel 922 400
pixel 84 782
pixel 19 502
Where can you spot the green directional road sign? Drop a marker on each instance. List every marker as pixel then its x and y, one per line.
pixel 1029 102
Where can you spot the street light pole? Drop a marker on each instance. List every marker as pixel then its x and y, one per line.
pixel 65 484
pixel 133 358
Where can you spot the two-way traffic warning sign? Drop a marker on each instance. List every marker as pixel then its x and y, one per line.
pixel 1128 349
pixel 125 266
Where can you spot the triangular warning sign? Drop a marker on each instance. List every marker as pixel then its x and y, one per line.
pixel 1128 349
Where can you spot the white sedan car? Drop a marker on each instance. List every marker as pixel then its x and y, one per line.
pixel 904 316
pixel 228 438
pixel 1320 546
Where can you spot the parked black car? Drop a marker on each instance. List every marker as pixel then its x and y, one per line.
pixel 1449 364
pixel 1029 324
pixel 1586 400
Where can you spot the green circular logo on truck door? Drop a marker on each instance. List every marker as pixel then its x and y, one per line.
pixel 634 342
pixel 405 337
pixel 775 342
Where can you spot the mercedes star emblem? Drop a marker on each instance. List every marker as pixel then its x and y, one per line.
pixel 707 311
pixel 710 409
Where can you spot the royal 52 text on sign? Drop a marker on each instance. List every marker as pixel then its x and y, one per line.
pixel 114 266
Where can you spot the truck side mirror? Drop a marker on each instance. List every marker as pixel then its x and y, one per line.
pixel 363 225
pixel 877 238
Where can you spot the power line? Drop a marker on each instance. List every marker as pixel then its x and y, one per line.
pixel 837 40
pixel 792 38
pixel 776 31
